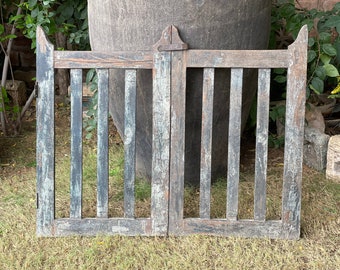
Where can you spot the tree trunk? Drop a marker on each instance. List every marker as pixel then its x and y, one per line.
pixel 62 76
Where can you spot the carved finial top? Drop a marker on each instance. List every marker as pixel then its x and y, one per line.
pixel 170 41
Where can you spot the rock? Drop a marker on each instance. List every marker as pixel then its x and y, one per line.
pixel 17 91
pixel 314 118
pixel 333 159
pixel 315 148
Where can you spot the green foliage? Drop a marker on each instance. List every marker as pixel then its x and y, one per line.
pixel 323 43
pixel 68 17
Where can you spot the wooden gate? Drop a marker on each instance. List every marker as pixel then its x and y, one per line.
pixel 169 61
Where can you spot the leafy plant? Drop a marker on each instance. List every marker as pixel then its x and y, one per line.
pixel 67 17
pixel 323 43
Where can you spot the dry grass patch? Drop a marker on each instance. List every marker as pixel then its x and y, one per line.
pixel 21 249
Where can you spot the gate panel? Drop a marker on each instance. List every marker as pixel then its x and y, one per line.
pixel 295 60
pixel 169 61
pixel 47 225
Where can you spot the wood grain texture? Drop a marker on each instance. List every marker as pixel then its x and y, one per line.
pixel 161 142
pixel 234 142
pixel 76 143
pixel 103 144
pixel 169 102
pixel 130 143
pixel 45 135
pixel 238 58
pixel 294 134
pixel 262 127
pixel 90 59
pixel 177 153
pixel 206 141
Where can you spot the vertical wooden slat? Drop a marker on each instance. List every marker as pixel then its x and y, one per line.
pixel 261 144
pixel 161 142
pixel 206 141
pixel 76 143
pixel 103 145
pixel 45 136
pixel 234 142
pixel 178 97
pixel 294 135
pixel 130 142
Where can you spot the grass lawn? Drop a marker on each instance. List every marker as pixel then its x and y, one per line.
pixel 318 248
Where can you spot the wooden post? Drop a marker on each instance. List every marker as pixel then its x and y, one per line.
pixel 45 135
pixel 294 135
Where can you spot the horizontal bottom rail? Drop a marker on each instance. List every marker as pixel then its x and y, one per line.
pixel 143 227
pixel 101 226
pixel 239 228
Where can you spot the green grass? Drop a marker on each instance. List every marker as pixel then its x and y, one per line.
pixel 21 249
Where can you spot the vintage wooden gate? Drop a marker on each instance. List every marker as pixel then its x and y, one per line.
pixel 169 61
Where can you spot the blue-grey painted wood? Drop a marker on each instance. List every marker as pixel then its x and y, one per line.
pixel 169 76
pixel 294 134
pixel 161 142
pixel 206 141
pixel 95 59
pixel 76 143
pixel 103 144
pixel 45 135
pixel 234 142
pixel 177 153
pixel 130 143
pixel 261 144
pixel 102 226
pixel 238 58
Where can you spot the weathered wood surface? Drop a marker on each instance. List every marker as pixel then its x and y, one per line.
pixel 262 127
pixel 102 226
pixel 90 59
pixel 234 142
pixel 103 144
pixel 294 134
pixel 238 58
pixel 161 142
pixel 76 143
pixel 130 143
pixel 206 141
pixel 169 103
pixel 177 153
pixel 45 135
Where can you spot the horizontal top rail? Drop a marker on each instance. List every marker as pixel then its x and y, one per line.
pixel 195 58
pixel 91 59
pixel 238 58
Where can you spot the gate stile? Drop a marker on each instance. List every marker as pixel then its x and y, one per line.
pixel 169 60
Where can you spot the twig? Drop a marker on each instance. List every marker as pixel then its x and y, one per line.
pixel 4 75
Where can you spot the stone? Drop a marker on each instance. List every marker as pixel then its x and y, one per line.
pixel 17 91
pixel 317 4
pixel 315 149
pixel 333 159
pixel 26 76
